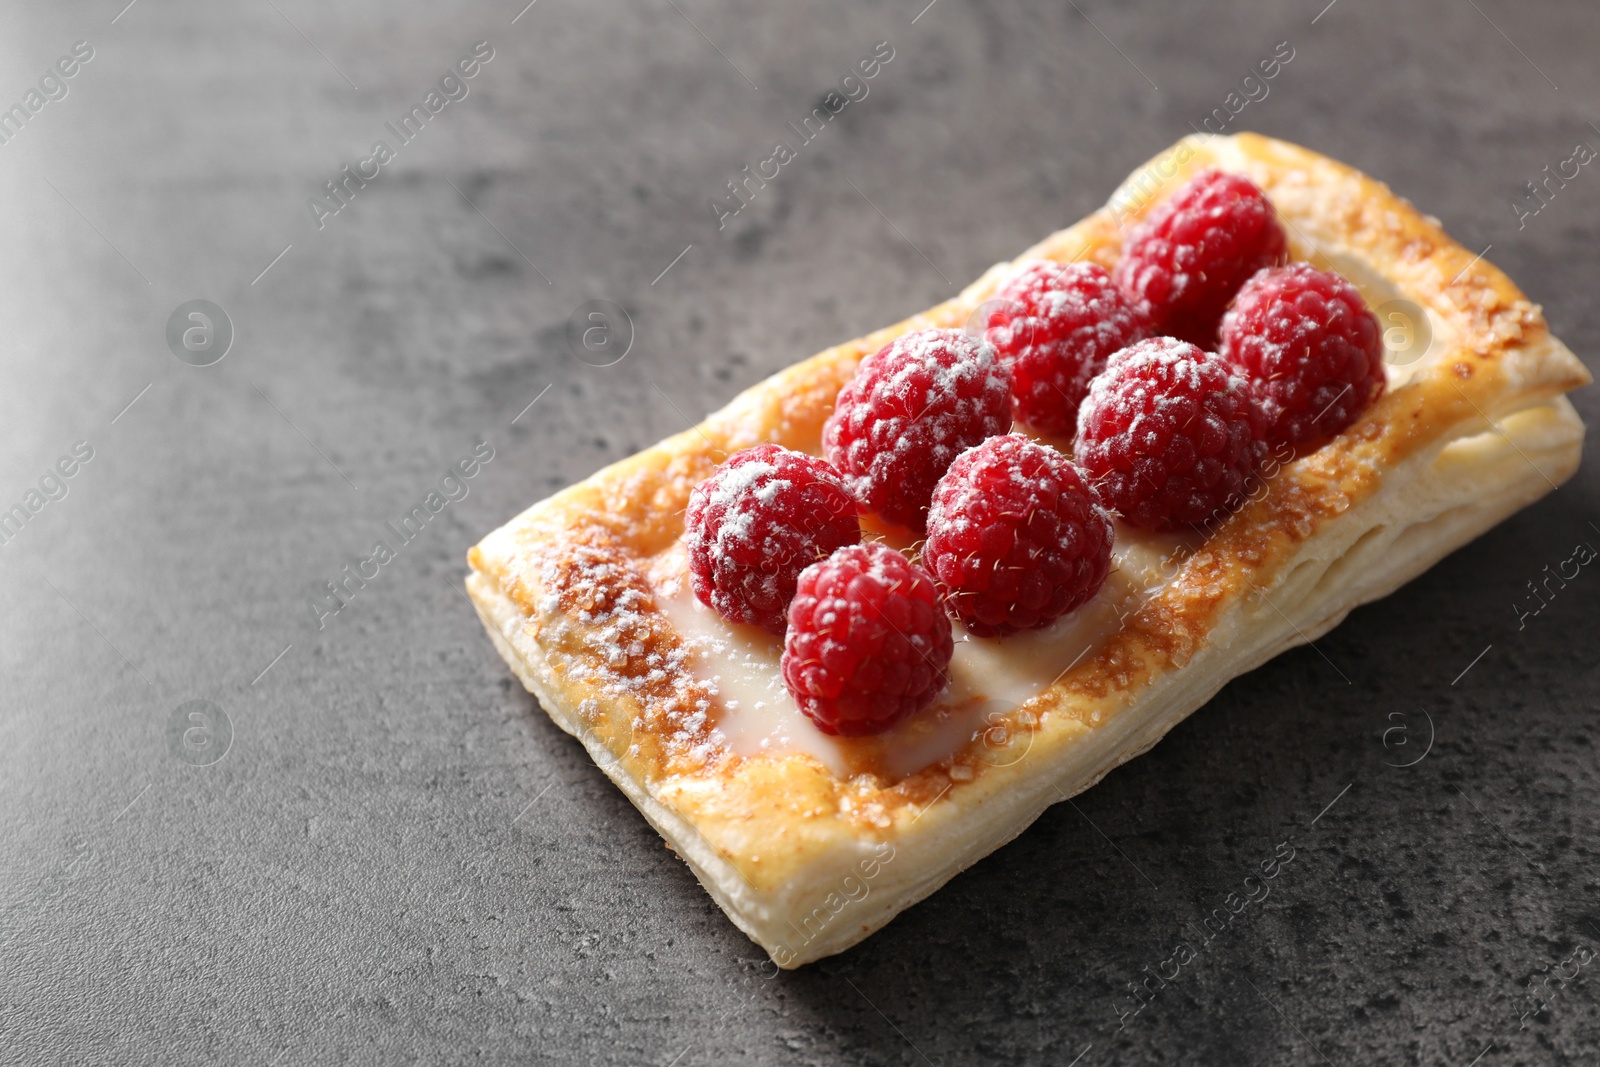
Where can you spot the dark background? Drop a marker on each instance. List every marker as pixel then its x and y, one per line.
pixel 399 858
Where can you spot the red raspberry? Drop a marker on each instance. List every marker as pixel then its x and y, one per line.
pixel 868 643
pixel 1054 329
pixel 912 407
pixel 1311 348
pixel 1015 537
pixel 754 525
pixel 1167 435
pixel 1188 258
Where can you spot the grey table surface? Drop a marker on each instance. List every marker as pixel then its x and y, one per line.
pixel 397 857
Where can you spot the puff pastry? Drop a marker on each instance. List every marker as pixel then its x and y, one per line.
pixel 811 843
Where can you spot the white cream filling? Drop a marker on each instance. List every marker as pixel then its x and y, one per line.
pixel 988 676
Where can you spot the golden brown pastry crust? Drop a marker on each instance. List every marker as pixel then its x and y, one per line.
pixel 566 592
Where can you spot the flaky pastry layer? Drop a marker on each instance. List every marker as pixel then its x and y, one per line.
pixel 808 861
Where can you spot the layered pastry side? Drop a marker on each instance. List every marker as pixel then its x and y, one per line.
pixel 809 841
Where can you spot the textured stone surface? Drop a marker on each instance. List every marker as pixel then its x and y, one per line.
pixel 399 858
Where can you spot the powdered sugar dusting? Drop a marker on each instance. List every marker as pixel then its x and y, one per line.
pixel 598 621
pixel 735 480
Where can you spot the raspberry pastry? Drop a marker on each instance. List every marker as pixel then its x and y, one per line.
pixel 826 728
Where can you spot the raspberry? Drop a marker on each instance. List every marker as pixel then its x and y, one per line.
pixel 1054 331
pixel 1310 347
pixel 1193 253
pixel 869 642
pixel 1015 537
pixel 756 523
pixel 912 407
pixel 1167 435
